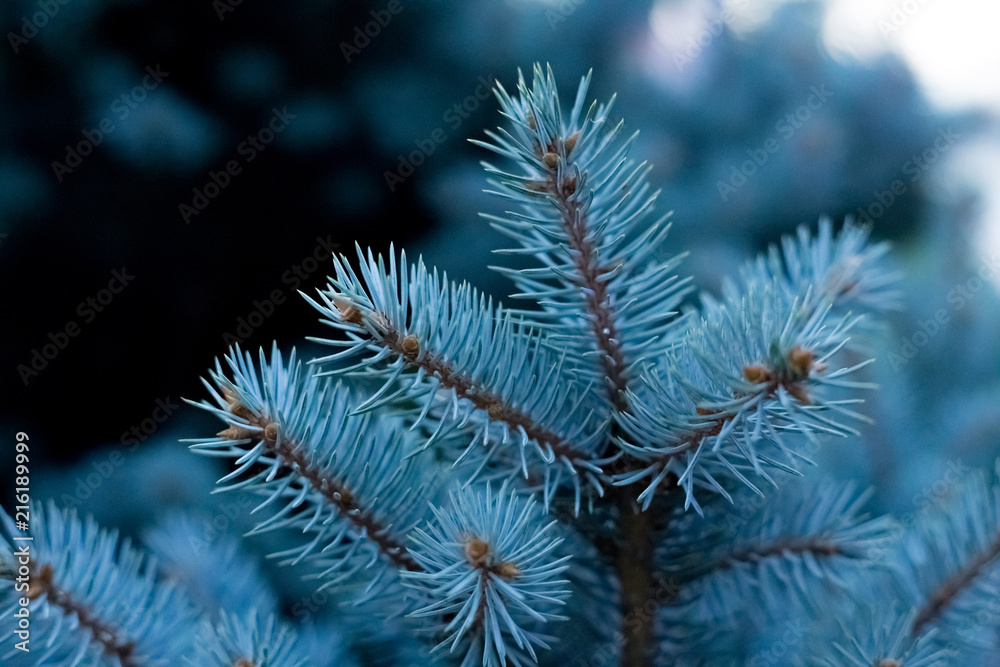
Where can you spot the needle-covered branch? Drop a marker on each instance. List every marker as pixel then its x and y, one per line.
pixel 803 549
pixel 770 360
pixel 490 577
pixel 344 481
pixel 583 210
pixel 464 362
pixel 91 596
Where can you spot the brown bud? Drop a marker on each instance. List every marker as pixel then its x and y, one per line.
pixel 536 186
pixel 531 121
pixel 713 427
pixel 41 583
pixel 476 550
pixel 237 433
pixel 507 570
pixel 797 391
pixel 378 320
pixel 271 433
pixel 569 185
pixel 243 662
pixel 570 143
pixel 756 374
pixel 410 347
pixel 800 361
pixel 235 406
pixel 550 159
pixel 848 286
pixel 496 411
pixel 350 313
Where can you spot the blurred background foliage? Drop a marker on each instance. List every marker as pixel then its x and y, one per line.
pixel 753 123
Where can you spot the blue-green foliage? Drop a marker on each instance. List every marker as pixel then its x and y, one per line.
pixel 757 366
pixel 319 467
pixel 401 473
pixel 495 533
pixel 255 642
pixel 742 573
pixel 94 598
pixel 947 568
pixel 583 210
pixel 475 366
pixel 234 583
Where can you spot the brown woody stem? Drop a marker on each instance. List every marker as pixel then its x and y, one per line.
pixel 633 557
pixel 602 320
pixel 295 458
pixel 952 587
pixel 815 546
pixel 480 397
pixel 634 562
pixel 104 634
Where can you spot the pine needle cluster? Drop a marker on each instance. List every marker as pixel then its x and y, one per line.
pixel 608 473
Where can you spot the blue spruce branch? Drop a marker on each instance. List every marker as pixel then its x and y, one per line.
pixel 583 215
pixel 92 597
pixel 483 567
pixel 950 571
pixel 402 473
pixel 296 443
pixel 235 641
pixel 463 359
